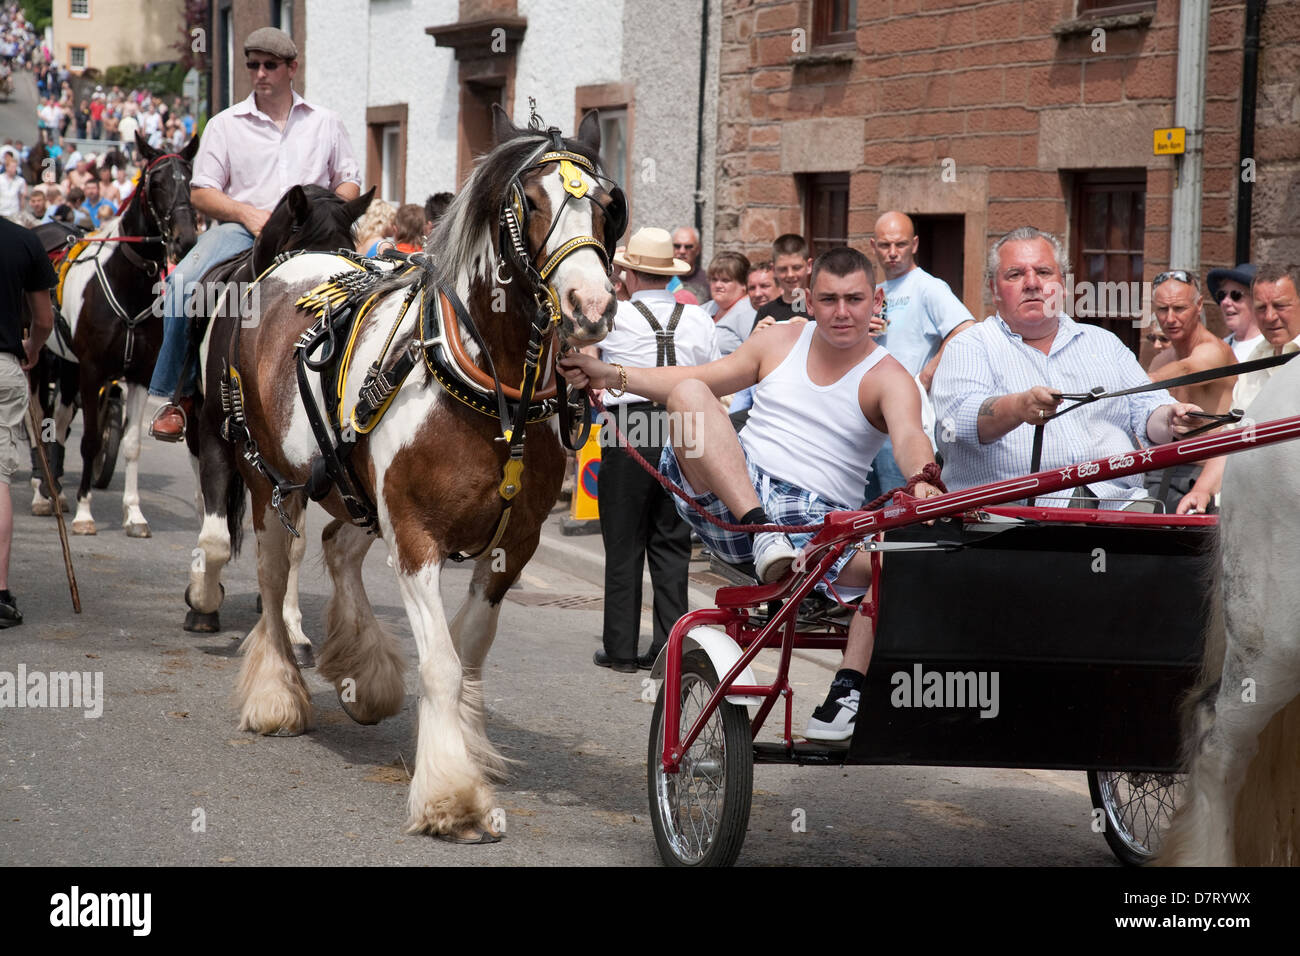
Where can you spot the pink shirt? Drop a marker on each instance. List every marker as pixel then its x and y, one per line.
pixel 246 156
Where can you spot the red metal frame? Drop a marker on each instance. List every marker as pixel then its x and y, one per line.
pixel 841 529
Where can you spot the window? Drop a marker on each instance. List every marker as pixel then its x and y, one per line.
pixel 227 64
pixel 386 151
pixel 613 144
pixel 1111 8
pixel 942 248
pixel 834 22
pixel 79 9
pixel 826 211
pixel 282 15
pixel 1109 226
pixel 76 57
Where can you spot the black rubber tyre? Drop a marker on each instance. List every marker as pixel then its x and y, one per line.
pixel 112 423
pixel 1137 808
pixel 701 813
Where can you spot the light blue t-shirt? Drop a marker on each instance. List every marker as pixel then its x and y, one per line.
pixel 921 311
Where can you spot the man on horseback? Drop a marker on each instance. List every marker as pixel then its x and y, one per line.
pixel 826 395
pixel 252 153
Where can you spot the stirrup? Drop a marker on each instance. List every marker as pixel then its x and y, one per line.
pixel 154 433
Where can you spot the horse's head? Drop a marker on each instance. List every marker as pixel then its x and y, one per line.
pixel 165 189
pixel 559 219
pixel 308 217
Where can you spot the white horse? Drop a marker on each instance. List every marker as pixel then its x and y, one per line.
pixel 1242 722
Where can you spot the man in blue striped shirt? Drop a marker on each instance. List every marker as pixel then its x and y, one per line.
pixel 1009 371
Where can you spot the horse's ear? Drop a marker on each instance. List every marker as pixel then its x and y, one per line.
pixel 298 204
pixel 191 148
pixel 502 128
pixel 357 207
pixel 147 151
pixel 589 131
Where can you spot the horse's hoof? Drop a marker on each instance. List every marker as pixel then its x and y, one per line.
pixel 471 837
pixel 284 732
pixel 83 527
pixel 138 530
pixel 44 508
pixel 199 623
pixel 355 718
pixel 303 656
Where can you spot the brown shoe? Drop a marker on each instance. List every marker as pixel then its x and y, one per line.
pixel 169 424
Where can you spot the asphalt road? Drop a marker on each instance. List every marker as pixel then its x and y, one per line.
pixel 164 777
pixel 18 114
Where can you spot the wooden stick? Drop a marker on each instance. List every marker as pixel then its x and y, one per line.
pixel 33 421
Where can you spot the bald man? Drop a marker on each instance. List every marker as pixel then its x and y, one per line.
pixel 686 246
pixel 921 316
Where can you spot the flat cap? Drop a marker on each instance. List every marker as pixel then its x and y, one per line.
pixel 273 41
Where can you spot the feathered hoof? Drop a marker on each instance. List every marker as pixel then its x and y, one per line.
pixel 457 818
pixel 277 714
pixel 42 507
pixel 138 529
pixel 84 527
pixel 304 656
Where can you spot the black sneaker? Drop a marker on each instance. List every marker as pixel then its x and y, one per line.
pixel 10 616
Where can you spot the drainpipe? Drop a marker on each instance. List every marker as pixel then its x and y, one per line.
pixel 1189 112
pixel 699 126
pixel 1249 79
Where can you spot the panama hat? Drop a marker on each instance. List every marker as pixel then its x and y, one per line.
pixel 651 250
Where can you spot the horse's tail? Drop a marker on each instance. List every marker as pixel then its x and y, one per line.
pixel 236 502
pixel 1183 842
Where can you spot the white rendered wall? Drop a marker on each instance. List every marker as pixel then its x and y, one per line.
pixel 567 45
pixel 336 64
pixel 406 66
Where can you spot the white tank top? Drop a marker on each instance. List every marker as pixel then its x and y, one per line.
pixel 814 436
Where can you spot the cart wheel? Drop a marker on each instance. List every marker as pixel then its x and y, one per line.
pixel 112 424
pixel 700 813
pixel 1138 809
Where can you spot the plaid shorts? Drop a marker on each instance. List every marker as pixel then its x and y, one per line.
pixel 784 503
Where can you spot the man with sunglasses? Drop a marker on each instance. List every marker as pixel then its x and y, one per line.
pixel 1176 302
pixel 686 246
pixel 1230 290
pixel 251 155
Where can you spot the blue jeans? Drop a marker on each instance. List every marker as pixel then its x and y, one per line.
pixel 220 242
pixel 885 475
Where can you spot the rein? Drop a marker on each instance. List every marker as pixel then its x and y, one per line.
pixel 1194 378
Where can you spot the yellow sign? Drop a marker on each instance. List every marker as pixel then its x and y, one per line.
pixel 1167 142
pixel 585 505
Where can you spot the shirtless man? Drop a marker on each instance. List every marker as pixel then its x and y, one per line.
pixel 1178 306
pixel 825 397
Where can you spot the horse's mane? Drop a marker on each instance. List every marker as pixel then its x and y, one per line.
pixel 461 246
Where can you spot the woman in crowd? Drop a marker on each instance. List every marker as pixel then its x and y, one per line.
pixel 733 315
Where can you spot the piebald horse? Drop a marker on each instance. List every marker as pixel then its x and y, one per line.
pixel 306 218
pixel 525 246
pixel 111 295
pixel 1241 804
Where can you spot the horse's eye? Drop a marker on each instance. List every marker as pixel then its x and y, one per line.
pixel 532 206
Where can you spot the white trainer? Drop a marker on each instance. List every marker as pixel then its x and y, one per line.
pixel 838 724
pixel 773 554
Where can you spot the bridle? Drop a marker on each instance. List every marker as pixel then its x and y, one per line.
pixel 514 222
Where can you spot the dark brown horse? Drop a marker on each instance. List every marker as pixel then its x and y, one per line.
pixel 111 299
pixel 306 218
pixel 438 468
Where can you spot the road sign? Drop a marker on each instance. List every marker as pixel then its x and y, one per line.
pixel 1168 142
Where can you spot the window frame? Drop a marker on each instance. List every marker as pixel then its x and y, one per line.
pixel 812 186
pixel 72 10
pixel 1088 182
pixel 824 33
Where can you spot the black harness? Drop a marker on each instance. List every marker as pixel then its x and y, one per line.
pixel 344 301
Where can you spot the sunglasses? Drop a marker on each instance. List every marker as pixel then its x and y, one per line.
pixel 683 245
pixel 269 65
pixel 1178 274
pixel 1236 295
pixel 1154 339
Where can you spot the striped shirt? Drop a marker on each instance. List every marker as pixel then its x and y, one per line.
pixel 989 360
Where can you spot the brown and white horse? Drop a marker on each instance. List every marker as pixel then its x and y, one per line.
pixel 432 466
pixel 111 299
